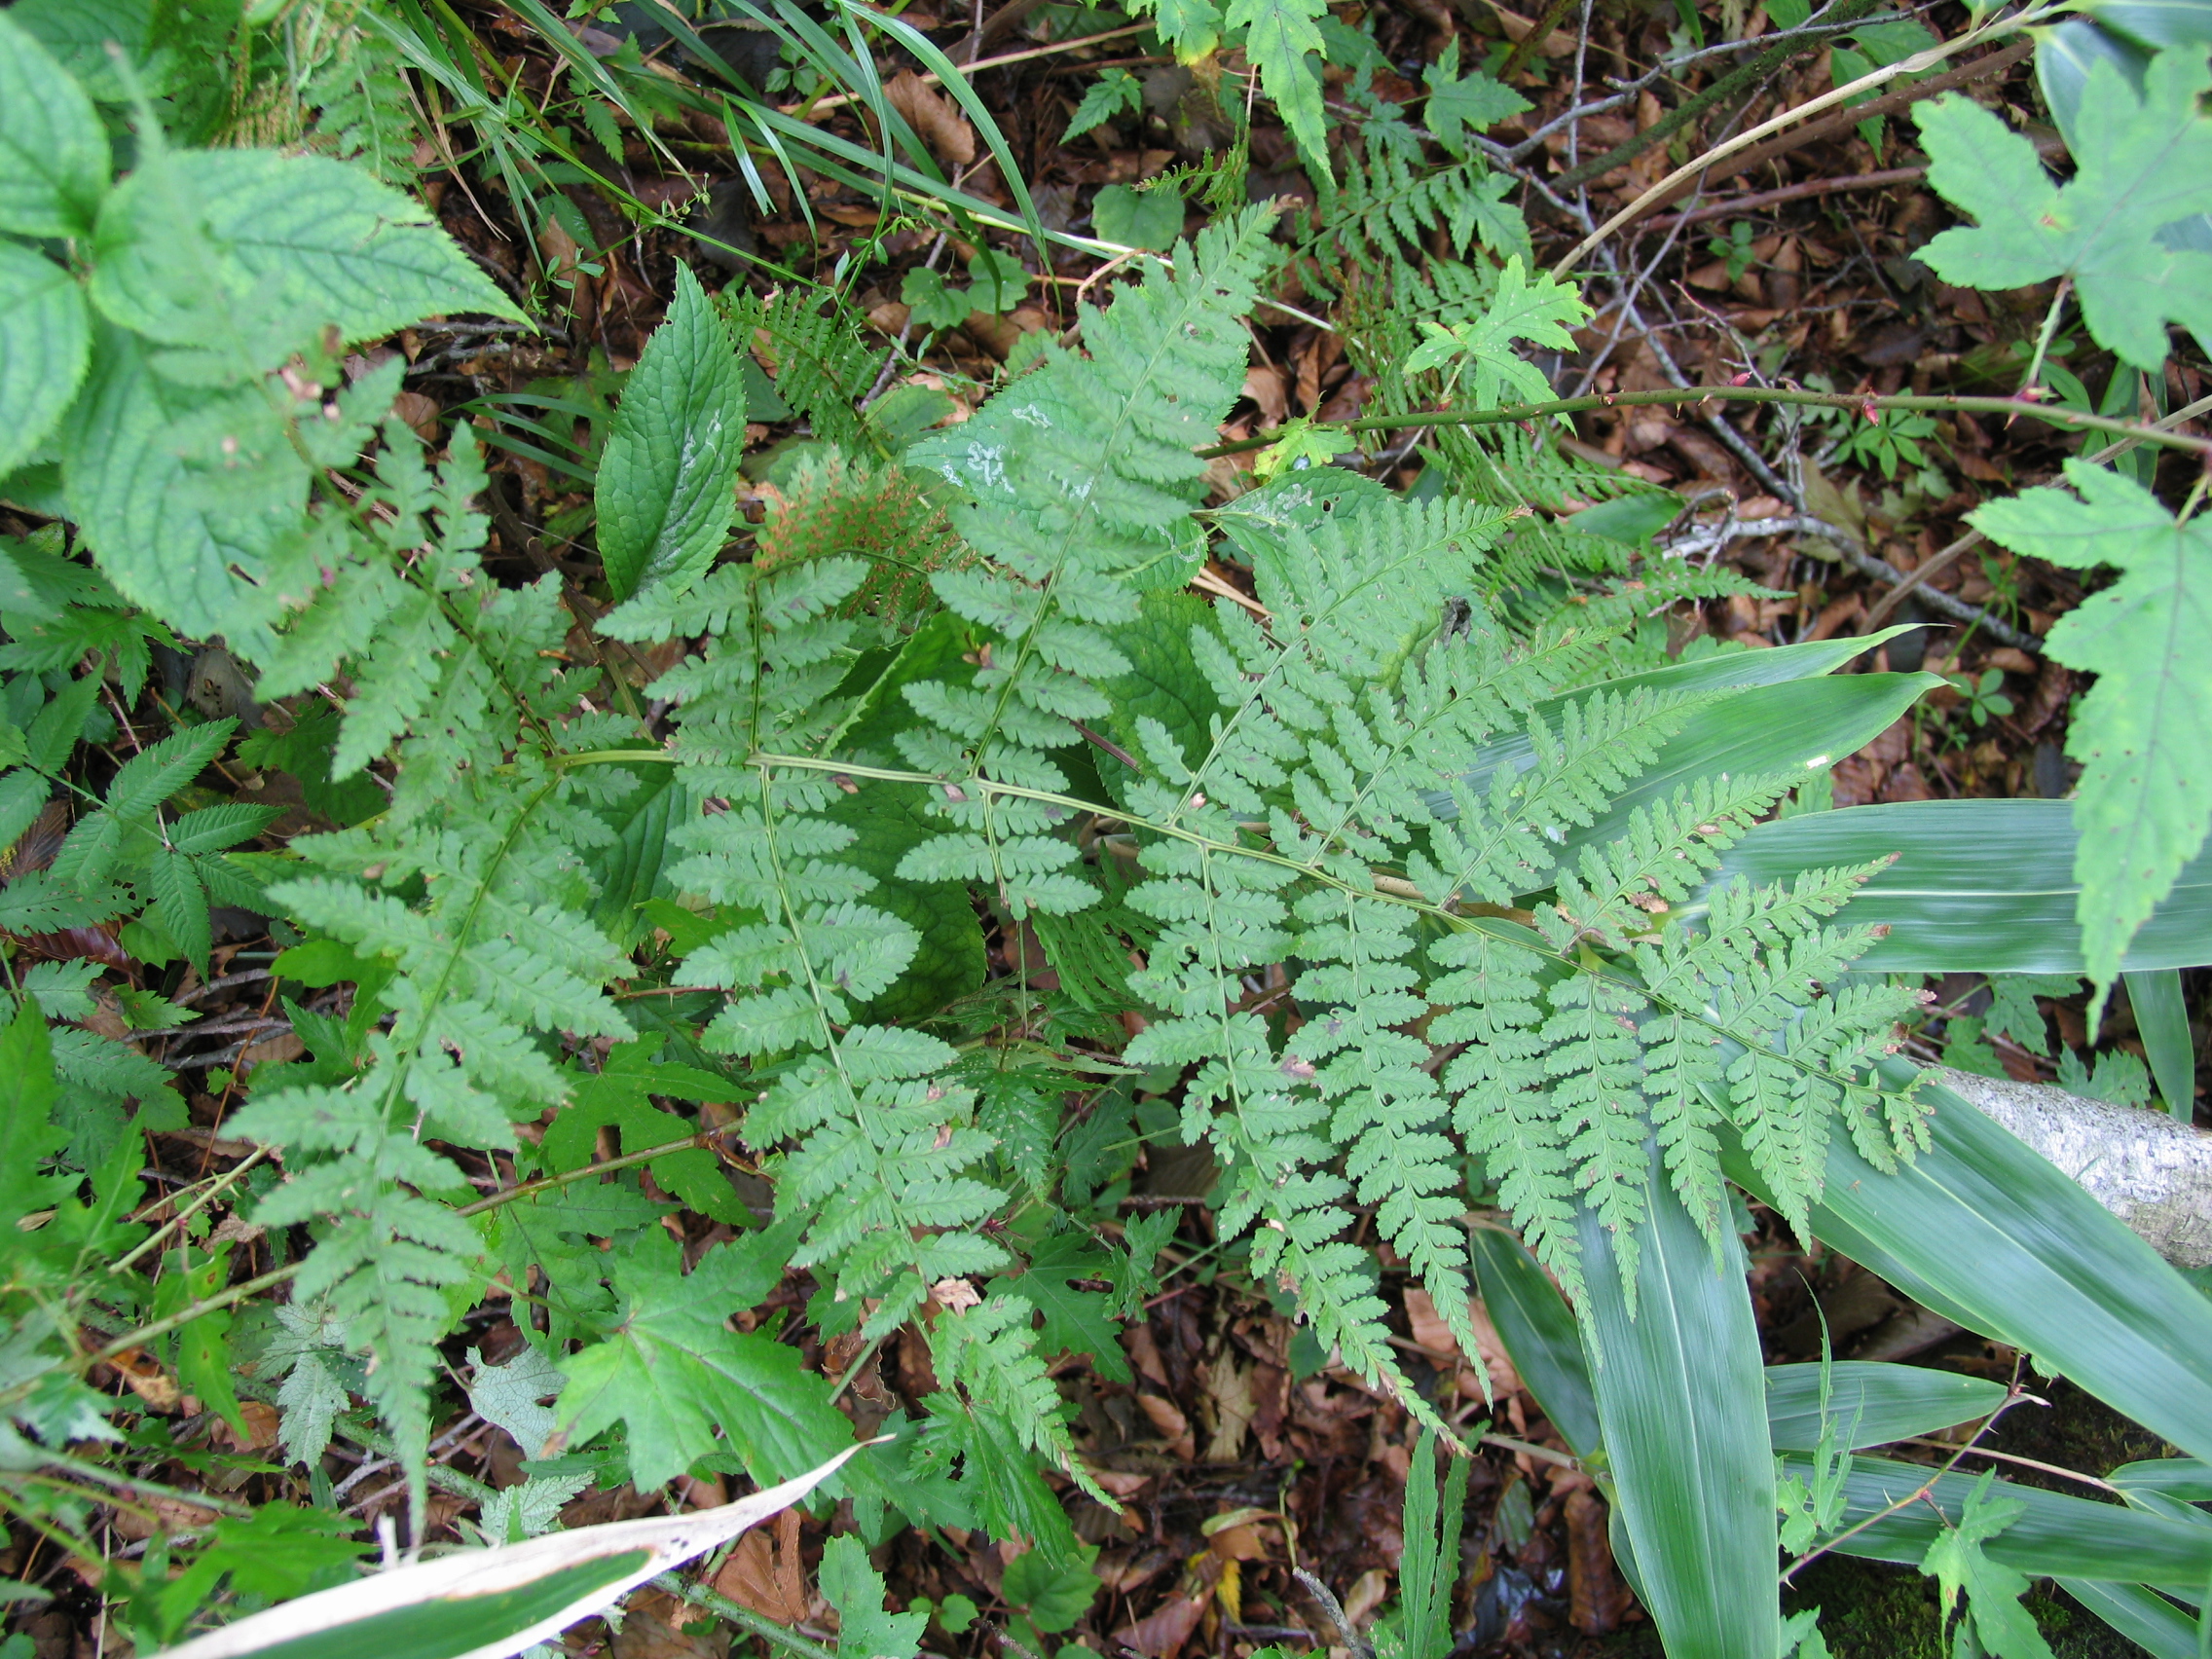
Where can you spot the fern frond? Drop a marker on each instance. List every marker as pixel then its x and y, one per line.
pixel 1389 202
pixel 1071 478
pixel 1660 856
pixel 353 83
pixel 823 367
pixel 1497 844
pixel 835 504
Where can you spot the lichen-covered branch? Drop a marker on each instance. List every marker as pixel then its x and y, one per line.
pixel 2152 1173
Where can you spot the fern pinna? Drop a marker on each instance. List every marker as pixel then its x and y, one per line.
pixel 1367 772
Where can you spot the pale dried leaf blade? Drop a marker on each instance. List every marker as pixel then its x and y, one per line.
pixel 666 1541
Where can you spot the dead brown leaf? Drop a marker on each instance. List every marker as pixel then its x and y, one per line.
pixel 1162 1635
pixel 1596 1599
pixel 1229 1391
pixel 655 1625
pixel 1173 1427
pixel 261 1429
pixel 1269 388
pixel 1366 1596
pixel 764 1571
pixel 930 113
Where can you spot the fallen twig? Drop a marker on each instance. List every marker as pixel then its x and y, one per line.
pixel 1764 198
pixel 1919 61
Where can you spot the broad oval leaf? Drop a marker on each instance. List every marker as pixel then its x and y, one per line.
pixel 488 1604
pixel 137 456
pixel 53 158
pixel 1680 1399
pixel 1871 1404
pixel 1981 886
pixel 45 340
pixel 1990 1234
pixel 667 484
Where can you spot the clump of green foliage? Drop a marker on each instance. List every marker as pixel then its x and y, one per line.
pixel 1438 771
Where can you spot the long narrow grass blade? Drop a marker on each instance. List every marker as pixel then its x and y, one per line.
pixel 2056 1535
pixel 2143 1617
pixel 1871 1404
pixel 2162 1022
pixel 1682 1403
pixel 1538 1327
pixel 1987 1232
pixel 1979 886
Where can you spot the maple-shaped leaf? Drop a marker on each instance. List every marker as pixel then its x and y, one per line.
pixel 685 1385
pixel 1076 1321
pixel 1299 443
pixel 2142 164
pixel 1461 105
pixel 1541 312
pixel 2144 732
pixel 619 1096
pixel 1955 1560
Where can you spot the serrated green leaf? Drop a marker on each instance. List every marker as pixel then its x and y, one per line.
pixel 1130 217
pixel 1992 1591
pixel 1541 312
pixel 675 1375
pixel 2142 164
pixel 619 1096
pixel 238 231
pixel 2144 729
pixel 1472 103
pixel 202 1346
pixel 509 1395
pixel 45 342
pixel 78 32
pixel 888 821
pixel 28 1090
pixel 53 160
pixel 140 456
pixel 864 1629
pixel 1054 1594
pixel 1076 1321
pixel 180 907
pixel 667 483
pixel 1278 36
pixel 1116 93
